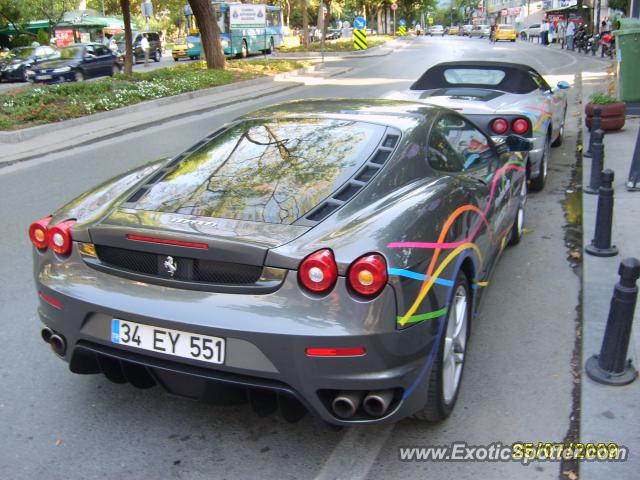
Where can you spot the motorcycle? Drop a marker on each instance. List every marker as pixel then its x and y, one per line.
pixel 608 44
pixel 592 44
pixel 580 40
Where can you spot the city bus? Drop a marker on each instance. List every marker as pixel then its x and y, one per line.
pixel 245 29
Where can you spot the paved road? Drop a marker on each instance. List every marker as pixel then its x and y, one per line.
pixel 517 383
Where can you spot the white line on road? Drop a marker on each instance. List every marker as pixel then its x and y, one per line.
pixel 355 454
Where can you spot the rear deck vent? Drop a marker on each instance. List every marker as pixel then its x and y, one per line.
pixel 156 177
pixel 137 195
pixel 390 141
pixel 324 211
pixel 381 156
pixel 348 191
pixel 367 173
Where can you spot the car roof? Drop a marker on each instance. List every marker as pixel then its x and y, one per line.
pixel 400 114
pixel 486 64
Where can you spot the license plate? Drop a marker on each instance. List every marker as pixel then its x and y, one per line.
pixel 44 77
pixel 168 341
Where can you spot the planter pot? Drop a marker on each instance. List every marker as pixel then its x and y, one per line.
pixel 612 115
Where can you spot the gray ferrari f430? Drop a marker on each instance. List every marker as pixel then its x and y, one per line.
pixel 321 255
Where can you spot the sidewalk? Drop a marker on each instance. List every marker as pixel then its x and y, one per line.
pixel 609 414
pixel 42 140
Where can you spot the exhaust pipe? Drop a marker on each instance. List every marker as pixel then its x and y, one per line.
pixel 46 333
pixel 346 403
pixel 377 403
pixel 58 345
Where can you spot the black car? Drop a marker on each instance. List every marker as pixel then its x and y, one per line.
pixel 14 66
pixel 76 63
pixel 155 45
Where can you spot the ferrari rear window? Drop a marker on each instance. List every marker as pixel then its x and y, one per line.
pixel 265 170
pixel 473 76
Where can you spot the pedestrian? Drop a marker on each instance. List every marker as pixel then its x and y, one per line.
pixel 144 45
pixel 571 30
pixel 561 34
pixel 544 31
pixel 551 34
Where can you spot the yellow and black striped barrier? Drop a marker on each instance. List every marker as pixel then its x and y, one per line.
pixel 402 31
pixel 359 39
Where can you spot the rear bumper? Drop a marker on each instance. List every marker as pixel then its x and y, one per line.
pixel 266 338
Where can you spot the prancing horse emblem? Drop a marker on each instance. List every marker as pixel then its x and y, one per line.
pixel 171 265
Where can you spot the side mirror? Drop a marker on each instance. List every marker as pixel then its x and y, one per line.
pixel 562 85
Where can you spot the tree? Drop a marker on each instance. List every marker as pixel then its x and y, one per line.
pixel 12 14
pixel 206 19
pixel 52 10
pixel 305 22
pixel 125 6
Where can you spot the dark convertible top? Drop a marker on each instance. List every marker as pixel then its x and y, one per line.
pixel 517 78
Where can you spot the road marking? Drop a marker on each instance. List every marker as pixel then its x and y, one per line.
pixel 355 454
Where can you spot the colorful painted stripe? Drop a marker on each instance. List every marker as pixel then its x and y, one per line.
pixel 418 276
pixel 423 316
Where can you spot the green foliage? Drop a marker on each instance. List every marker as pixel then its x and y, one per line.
pixel 42 38
pixel 35 105
pixel 601 98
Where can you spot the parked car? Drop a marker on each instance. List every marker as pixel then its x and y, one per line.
pixel 530 32
pixel 14 65
pixel 76 62
pixel 255 266
pixel 453 30
pixel 480 31
pixel 466 30
pixel 194 47
pixel 505 32
pixel 155 45
pixel 503 98
pixel 437 30
pixel 180 49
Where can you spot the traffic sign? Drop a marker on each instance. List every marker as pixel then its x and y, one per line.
pixel 402 22
pixel 359 39
pixel 394 6
pixel 413 22
pixel 430 20
pixel 402 31
pixel 359 23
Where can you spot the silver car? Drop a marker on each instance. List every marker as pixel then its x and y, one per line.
pixel 480 31
pixel 437 30
pixel 503 98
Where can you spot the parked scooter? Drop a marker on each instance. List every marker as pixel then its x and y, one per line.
pixel 607 44
pixel 580 39
pixel 592 44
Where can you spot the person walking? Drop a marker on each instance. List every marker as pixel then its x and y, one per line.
pixel 544 31
pixel 561 34
pixel 144 45
pixel 571 30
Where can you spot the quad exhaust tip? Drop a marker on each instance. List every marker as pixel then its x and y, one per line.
pixel 377 403
pixel 55 340
pixel 346 403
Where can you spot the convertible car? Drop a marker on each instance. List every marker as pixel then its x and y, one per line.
pixel 321 255
pixel 502 98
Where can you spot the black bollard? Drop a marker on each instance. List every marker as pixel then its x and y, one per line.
pixel 611 366
pixel 597 164
pixel 601 244
pixel 633 184
pixel 596 123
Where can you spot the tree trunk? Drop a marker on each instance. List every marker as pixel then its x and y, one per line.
pixel 206 19
pixel 126 17
pixel 305 23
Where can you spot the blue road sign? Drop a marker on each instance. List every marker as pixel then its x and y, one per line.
pixel 402 22
pixel 359 23
pixel 413 22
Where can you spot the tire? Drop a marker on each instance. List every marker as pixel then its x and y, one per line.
pixel 157 56
pixel 518 224
pixel 270 49
pixel 79 76
pixel 176 59
pixel 558 141
pixel 538 183
pixel 244 52
pixel 448 366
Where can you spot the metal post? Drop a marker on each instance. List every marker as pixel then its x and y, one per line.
pixel 322 30
pixel 596 122
pixel 597 164
pixel 633 184
pixel 611 366
pixel 394 23
pixel 601 244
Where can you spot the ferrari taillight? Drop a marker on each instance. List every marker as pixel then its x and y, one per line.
pixel 499 126
pixel 520 126
pixel 318 272
pixel 38 233
pixel 59 237
pixel 368 274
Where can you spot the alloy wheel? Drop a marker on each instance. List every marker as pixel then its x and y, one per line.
pixel 455 344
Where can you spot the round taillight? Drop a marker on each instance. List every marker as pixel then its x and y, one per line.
pixel 499 126
pixel 38 233
pixel 368 274
pixel 520 126
pixel 318 272
pixel 59 237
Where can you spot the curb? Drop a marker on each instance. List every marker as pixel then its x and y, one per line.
pixel 346 55
pixel 25 134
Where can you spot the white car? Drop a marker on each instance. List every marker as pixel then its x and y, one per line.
pixel 480 31
pixel 437 30
pixel 500 98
